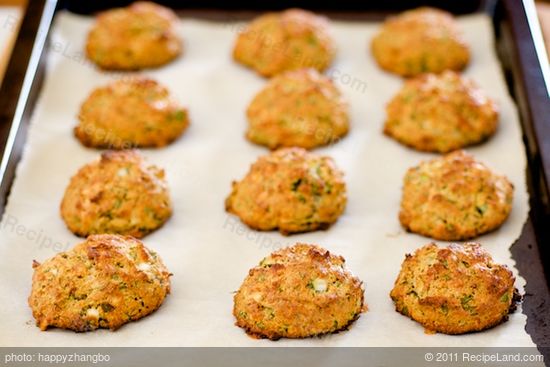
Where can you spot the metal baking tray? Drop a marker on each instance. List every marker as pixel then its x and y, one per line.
pixel 519 47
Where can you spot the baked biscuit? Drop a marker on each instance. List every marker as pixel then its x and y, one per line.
pixel 290 190
pixel 440 113
pixel 454 197
pixel 297 292
pixel 118 194
pixel 289 40
pixel 299 108
pixel 103 282
pixel 420 41
pixel 130 113
pixel 454 290
pixel 140 36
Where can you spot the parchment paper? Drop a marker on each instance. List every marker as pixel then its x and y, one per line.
pixel 210 252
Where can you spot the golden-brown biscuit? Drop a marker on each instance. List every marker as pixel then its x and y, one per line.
pixel 129 113
pixel 299 108
pixel 440 113
pixel 118 194
pixel 420 41
pixel 297 292
pixel 290 190
pixel 289 40
pixel 454 290
pixel 454 197
pixel 103 282
pixel 139 36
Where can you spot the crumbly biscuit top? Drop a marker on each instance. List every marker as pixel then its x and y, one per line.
pixel 141 35
pixel 298 291
pixel 292 39
pixel 104 281
pixel 289 189
pixel 454 290
pixel 298 108
pixel 117 194
pixel 441 113
pixel 419 41
pixel 128 113
pixel 454 197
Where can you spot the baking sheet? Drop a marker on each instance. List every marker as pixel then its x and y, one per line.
pixel 209 251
